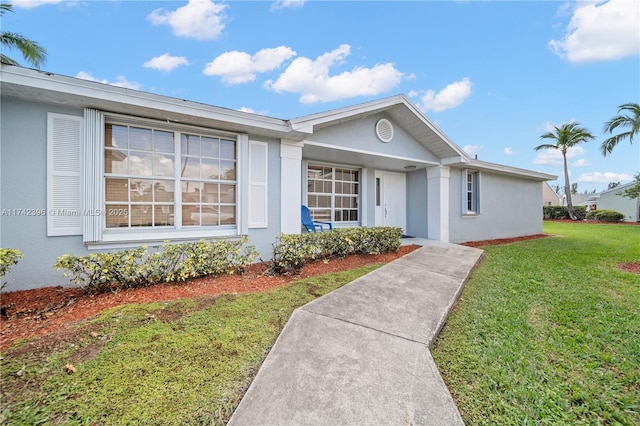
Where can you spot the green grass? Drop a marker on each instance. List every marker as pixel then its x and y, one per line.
pixel 548 331
pixel 175 363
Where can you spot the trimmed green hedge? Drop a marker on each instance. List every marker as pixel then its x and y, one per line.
pixel 101 272
pixel 609 216
pixel 291 252
pixel 562 212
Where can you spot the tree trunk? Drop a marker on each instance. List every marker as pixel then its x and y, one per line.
pixel 567 189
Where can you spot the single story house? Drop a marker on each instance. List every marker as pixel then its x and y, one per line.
pixel 87 166
pixel 613 200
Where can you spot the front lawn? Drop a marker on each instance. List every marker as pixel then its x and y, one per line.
pixel 548 331
pixel 167 363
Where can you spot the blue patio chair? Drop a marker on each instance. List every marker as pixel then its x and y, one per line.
pixel 310 224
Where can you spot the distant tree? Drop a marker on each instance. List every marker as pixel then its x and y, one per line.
pixel 634 191
pixel 612 185
pixel 557 189
pixel 31 51
pixel 565 137
pixel 631 120
pixel 574 188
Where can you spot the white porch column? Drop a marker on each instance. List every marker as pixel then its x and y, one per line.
pixel 290 186
pixel 438 203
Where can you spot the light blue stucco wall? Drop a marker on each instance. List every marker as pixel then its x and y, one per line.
pixel 417 196
pixel 360 135
pixel 23 181
pixel 24 184
pixel 509 207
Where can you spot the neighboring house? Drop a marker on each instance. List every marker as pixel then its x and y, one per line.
pixel 586 200
pixel 549 196
pixel 612 200
pixel 87 166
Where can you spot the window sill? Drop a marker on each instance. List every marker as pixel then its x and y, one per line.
pixel 470 215
pixel 115 239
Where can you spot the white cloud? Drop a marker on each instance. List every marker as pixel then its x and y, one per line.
pixel 312 80
pixel 472 149
pixel 285 4
pixel 554 156
pixel 601 31
pixel 166 62
pixel 120 82
pixel 30 4
pixel 508 151
pixel 450 97
pixel 247 109
pixel 199 19
pixel 606 177
pixel 240 67
pixel 581 162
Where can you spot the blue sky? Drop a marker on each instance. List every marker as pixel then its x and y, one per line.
pixel 494 76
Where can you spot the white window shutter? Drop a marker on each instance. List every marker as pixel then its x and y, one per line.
pixel 64 165
pixel 258 196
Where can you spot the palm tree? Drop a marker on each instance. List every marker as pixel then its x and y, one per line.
pixel 632 120
pixel 31 51
pixel 566 136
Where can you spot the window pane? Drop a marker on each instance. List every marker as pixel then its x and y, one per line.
pixel 117 215
pixel 116 189
pixel 210 193
pixel 191 192
pixel 322 215
pixel 140 164
pixel 227 194
pixel 190 167
pixel 227 215
pixel 116 136
pixel 140 190
pixel 210 169
pixel 210 147
pixel 163 165
pixel 190 215
pixel 163 216
pixel 324 201
pixel 227 149
pixel 141 215
pixel 163 141
pixel 189 144
pixel 227 170
pixel 116 161
pixel 140 139
pixel 210 216
pixel 163 191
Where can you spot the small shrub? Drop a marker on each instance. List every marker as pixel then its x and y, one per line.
pixel 8 258
pixel 609 216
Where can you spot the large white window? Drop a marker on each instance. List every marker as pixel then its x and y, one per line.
pixel 333 193
pixel 159 178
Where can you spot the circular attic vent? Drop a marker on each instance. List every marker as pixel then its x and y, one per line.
pixel 384 130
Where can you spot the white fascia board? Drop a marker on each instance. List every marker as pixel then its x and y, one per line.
pixel 307 122
pixel 22 79
pixel 371 153
pixel 454 160
pixel 508 170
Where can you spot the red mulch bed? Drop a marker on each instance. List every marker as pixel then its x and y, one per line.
pixel 51 310
pixel 503 240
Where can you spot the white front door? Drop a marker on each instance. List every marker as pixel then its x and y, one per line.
pixel 390 199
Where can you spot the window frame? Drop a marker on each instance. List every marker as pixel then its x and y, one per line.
pixel 97 235
pixel 333 193
pixel 471 192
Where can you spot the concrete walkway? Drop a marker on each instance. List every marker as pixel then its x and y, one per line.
pixel 360 355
